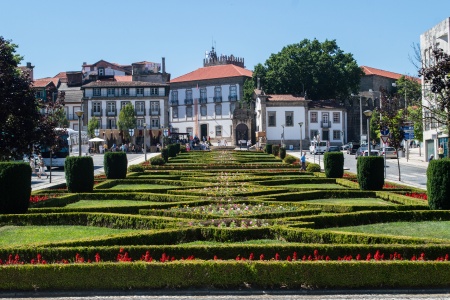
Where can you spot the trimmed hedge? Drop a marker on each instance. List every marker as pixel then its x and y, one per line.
pixel 15 187
pixel 165 154
pixel 438 184
pixel 79 174
pixel 157 161
pixel 115 164
pixel 333 164
pixel 312 167
pixel 173 150
pixel 282 152
pixel 370 172
pixel 268 148
pixel 275 150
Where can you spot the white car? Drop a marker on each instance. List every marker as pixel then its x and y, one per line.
pixel 373 152
pixel 390 152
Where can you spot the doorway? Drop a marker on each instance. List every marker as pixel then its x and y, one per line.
pixel 241 133
pixel 204 131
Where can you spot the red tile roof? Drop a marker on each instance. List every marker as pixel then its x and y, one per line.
pixel 286 97
pixel 43 82
pixel 123 78
pixel 213 72
pixel 61 75
pixel 396 76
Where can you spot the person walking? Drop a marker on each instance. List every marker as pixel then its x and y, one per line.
pixel 33 167
pixel 41 165
pixel 249 143
pixel 441 152
pixel 303 161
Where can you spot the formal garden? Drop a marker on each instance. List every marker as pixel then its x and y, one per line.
pixel 223 220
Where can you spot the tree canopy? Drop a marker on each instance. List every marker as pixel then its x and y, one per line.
pixel 127 118
pixel 322 70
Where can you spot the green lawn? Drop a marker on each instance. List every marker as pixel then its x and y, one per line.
pixel 26 235
pixel 141 187
pixel 106 203
pixel 320 186
pixel 426 229
pixel 350 202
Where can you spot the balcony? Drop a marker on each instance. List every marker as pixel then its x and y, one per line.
pixel 155 112
pixel 96 113
pixel 174 102
pixel 139 112
pixel 217 99
pixel 325 124
pixel 203 100
pixel 232 98
pixel 188 101
pixel 111 113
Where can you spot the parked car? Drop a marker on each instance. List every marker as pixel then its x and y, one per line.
pixel 373 152
pixel 333 149
pixel 353 149
pixel 359 151
pixel 390 152
pixel 345 147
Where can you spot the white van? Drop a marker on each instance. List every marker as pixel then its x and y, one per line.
pixel 318 147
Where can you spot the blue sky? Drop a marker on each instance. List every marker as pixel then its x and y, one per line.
pixel 58 36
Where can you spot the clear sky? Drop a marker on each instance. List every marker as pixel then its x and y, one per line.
pixel 58 36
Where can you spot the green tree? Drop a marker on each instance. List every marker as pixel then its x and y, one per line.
pixel 249 88
pixel 322 70
pixel 22 125
pixel 92 125
pixel 127 119
pixel 415 115
pixel 409 89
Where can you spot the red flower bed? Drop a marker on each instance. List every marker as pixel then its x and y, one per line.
pixel 39 198
pixel 422 196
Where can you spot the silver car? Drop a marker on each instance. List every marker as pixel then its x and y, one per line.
pixel 390 152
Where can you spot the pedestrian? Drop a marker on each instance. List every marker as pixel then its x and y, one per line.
pixel 441 152
pixel 303 160
pixel 33 167
pixel 225 143
pixel 431 157
pixel 41 165
pixel 249 143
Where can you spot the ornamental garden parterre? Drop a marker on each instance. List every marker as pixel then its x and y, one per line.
pixel 229 220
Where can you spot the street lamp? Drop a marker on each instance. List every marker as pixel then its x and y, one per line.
pixel 368 114
pixel 145 146
pixel 79 113
pixel 282 137
pixel 343 140
pixel 301 136
pixel 131 133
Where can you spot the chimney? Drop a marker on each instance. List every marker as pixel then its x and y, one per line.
pixel 163 65
pixel 84 63
pixel 258 83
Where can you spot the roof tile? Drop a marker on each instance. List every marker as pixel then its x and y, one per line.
pixel 213 72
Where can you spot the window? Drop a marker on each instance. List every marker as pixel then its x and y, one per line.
pixel 39 94
pixel 189 111
pixel 313 117
pixel 111 92
pixel 218 109
pixel 174 112
pixel 101 71
pixel 111 108
pixel 123 104
pixel 217 94
pixel 336 134
pixel 140 123
pixel 175 95
pixel 232 107
pixel 218 130
pixel 336 117
pixel 233 93
pixel 96 108
pixel 203 110
pixel 188 94
pixel 97 92
pixel 140 91
pixel 313 133
pixel 125 91
pixel 154 123
pixel 154 108
pixel 272 118
pixel 155 92
pixel 190 131
pixel 289 118
pixel 325 117
pixel 203 96
pixel 140 108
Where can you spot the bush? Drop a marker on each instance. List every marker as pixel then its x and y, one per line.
pixel 370 172
pixel 79 174
pixel 165 154
pixel 333 164
pixel 282 152
pixel 135 168
pixel 15 187
pixel 438 184
pixel 275 150
pixel 183 149
pixel 268 149
pixel 172 150
pixel 115 165
pixel 289 159
pixel 157 161
pixel 312 167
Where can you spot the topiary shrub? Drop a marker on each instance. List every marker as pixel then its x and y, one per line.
pixel 275 150
pixel 183 149
pixel 172 150
pixel 282 152
pixel 268 149
pixel 135 168
pixel 370 172
pixel 438 184
pixel 79 174
pixel 333 164
pixel 115 165
pixel 177 148
pixel 157 161
pixel 312 167
pixel 15 187
pixel 165 154
pixel 289 159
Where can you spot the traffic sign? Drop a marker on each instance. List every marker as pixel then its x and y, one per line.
pixel 408 128
pixel 385 131
pixel 409 135
pixel 385 138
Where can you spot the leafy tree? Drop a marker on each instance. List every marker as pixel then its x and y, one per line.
pixel 127 119
pixel 409 89
pixel 415 115
pixel 22 125
pixel 248 92
pixel 92 125
pixel 322 70
pixel 437 98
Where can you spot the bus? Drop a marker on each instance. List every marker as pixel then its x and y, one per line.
pixel 66 138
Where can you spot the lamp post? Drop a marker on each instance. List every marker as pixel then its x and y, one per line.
pixel 343 140
pixel 145 146
pixel 282 137
pixel 79 113
pixel 368 114
pixel 301 137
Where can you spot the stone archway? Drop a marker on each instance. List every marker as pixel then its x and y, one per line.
pixel 241 133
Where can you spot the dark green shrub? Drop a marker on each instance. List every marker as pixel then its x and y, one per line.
pixel 157 161
pixel 370 172
pixel 115 165
pixel 15 187
pixel 183 149
pixel 438 184
pixel 333 164
pixel 275 150
pixel 135 168
pixel 79 174
pixel 289 159
pixel 177 148
pixel 165 154
pixel 268 149
pixel 312 167
pixel 282 152
pixel 172 150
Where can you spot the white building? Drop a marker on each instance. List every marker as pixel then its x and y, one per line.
pixel 433 135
